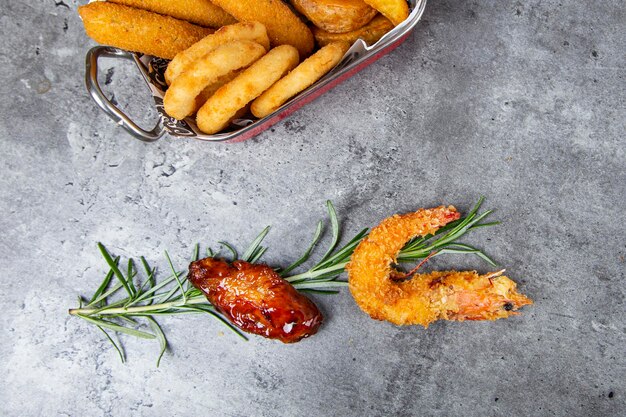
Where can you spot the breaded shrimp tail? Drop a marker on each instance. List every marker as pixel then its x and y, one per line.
pixel 424 298
pixel 283 26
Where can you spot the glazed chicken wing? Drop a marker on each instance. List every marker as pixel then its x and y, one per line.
pixel 256 299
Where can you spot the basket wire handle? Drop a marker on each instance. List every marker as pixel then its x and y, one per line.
pixel 93 87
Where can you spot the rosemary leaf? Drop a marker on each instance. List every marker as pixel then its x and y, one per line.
pixel 256 256
pixel 117 328
pixel 232 250
pixel 332 214
pixel 254 246
pixel 322 292
pixel 114 267
pixel 119 350
pixel 160 335
pixel 307 254
pixel 105 283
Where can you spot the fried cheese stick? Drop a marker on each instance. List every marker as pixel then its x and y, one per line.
pixel 200 12
pixel 139 30
pixel 283 26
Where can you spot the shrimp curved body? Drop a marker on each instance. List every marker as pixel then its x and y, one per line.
pixel 447 295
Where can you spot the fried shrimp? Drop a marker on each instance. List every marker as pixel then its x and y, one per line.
pixel 200 12
pixel 252 31
pixel 256 299
pixel 283 26
pixel 139 30
pixel 336 16
pixel 441 295
pixel 370 33
pixel 220 108
pixel 180 98
pixel 304 75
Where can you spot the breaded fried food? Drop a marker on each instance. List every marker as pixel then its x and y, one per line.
pixel 304 75
pixel 212 88
pixel 283 26
pixel 139 30
pixel 336 16
pixel 179 100
pixel 385 294
pixel 395 10
pixel 252 31
pixel 370 33
pixel 219 109
pixel 200 12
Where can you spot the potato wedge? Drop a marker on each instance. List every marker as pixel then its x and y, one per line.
pixel 395 10
pixel 370 33
pixel 336 16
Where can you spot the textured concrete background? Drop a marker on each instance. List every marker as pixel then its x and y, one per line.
pixel 520 101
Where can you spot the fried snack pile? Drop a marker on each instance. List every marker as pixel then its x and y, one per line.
pixel 179 100
pixel 219 76
pixel 386 294
pixel 218 79
pixel 222 106
pixel 256 299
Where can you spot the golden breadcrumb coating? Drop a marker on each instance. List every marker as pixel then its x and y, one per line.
pixel 200 12
pixel 139 30
pixel 283 26
pixel 440 295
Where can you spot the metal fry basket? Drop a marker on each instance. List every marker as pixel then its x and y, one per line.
pixel 358 57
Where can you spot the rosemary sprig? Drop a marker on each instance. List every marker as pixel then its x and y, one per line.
pixel 148 298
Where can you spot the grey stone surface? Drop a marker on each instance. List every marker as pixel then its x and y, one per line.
pixel 522 102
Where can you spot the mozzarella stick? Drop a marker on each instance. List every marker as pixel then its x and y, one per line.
pixel 139 30
pixel 200 12
pixel 283 26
